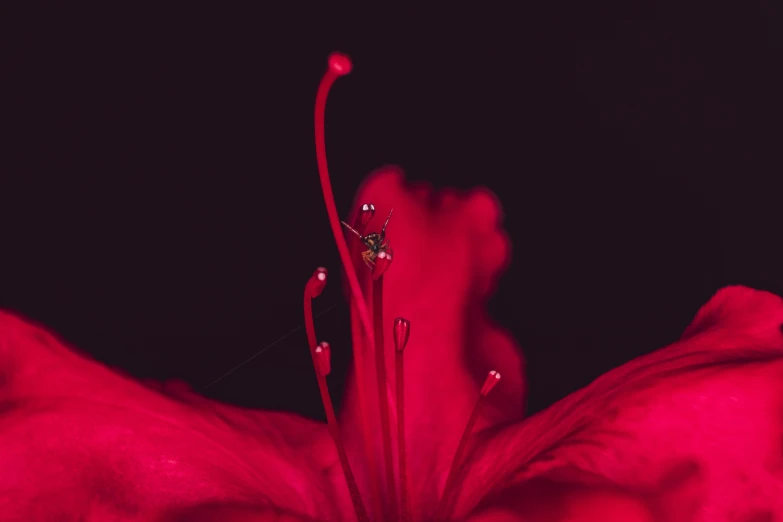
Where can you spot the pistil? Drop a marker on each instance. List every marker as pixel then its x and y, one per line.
pixel 340 65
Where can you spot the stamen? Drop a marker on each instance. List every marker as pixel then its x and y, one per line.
pixel 356 333
pixel 339 65
pixel 448 499
pixel 320 355
pixel 380 371
pixel 323 354
pixel 402 330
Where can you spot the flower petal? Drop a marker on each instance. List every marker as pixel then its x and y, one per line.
pixel 694 429
pixel 77 438
pixel 449 251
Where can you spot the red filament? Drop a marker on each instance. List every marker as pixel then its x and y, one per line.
pixel 312 288
pixel 448 499
pixel 402 330
pixel 383 401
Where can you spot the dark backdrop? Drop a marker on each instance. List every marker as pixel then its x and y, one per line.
pixel 158 175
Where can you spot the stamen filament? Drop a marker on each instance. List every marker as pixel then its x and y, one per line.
pixel 448 499
pixel 357 333
pixel 401 332
pixel 380 371
pixel 340 65
pixel 313 289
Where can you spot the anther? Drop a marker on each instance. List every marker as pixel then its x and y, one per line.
pixel 382 263
pixel 402 330
pixel 492 379
pixel 323 355
pixel 364 217
pixel 317 282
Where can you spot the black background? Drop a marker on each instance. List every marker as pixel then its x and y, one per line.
pixel 161 206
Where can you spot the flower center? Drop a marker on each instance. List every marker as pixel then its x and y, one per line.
pixel 376 253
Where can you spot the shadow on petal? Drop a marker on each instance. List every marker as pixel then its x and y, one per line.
pixel 549 501
pixel 229 513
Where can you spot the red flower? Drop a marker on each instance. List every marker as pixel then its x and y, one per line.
pixel 692 432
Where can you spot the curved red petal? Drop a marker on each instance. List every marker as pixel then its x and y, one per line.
pixel 449 252
pixel 694 430
pixel 78 438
